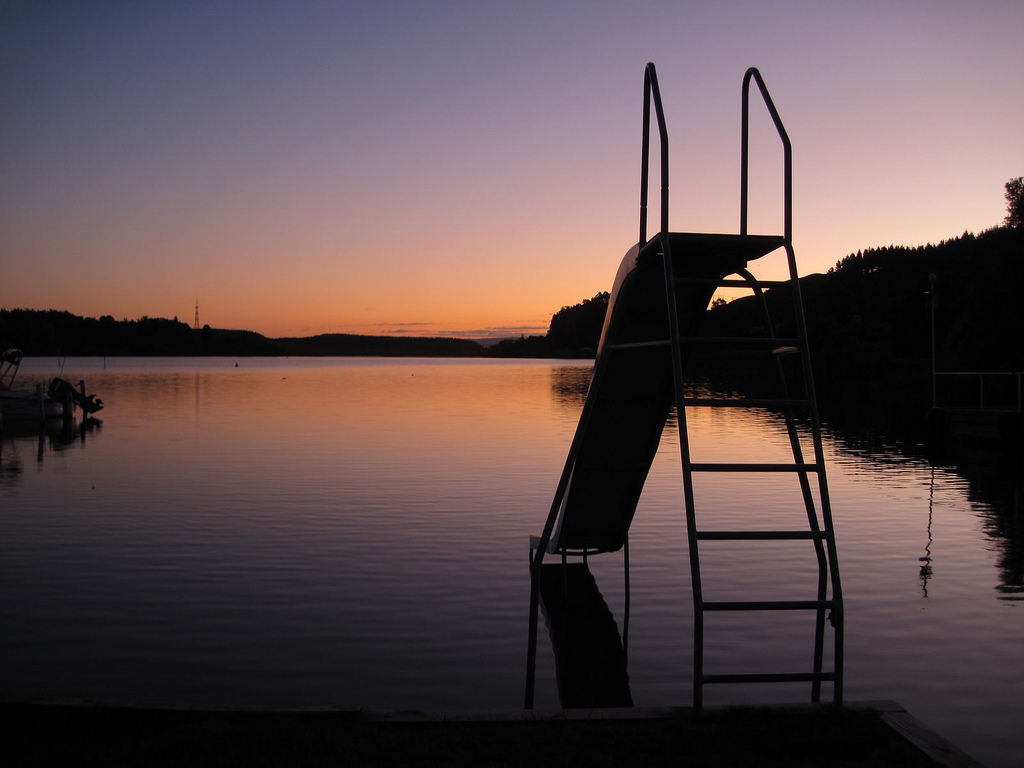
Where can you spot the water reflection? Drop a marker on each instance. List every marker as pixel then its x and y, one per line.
pixel 993 482
pixel 990 480
pixel 722 436
pixel 296 533
pixel 590 656
pixel 52 436
pixel 926 559
pixel 569 383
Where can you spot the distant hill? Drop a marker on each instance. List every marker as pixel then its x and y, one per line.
pixel 341 344
pixel 53 332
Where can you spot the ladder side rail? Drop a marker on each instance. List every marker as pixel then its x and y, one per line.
pixel 753 73
pixel 653 93
pixel 837 614
pixel 815 534
pixel 805 486
pixel 819 457
pixel 794 437
pixel 787 154
pixel 684 456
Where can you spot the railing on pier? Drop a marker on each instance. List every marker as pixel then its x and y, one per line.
pixel 1012 390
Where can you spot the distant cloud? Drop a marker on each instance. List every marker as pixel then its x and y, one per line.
pixel 400 331
pixel 423 328
pixel 496 333
pixel 488 333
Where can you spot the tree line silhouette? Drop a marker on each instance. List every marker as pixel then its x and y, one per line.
pixel 868 319
pixel 871 310
pixel 54 332
pixel 574 332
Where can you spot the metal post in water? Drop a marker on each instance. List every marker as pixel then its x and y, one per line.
pixel 931 279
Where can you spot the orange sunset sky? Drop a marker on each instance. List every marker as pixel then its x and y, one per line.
pixel 467 168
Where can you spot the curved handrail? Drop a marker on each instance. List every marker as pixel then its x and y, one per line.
pixel 787 151
pixel 651 89
pixel 10 361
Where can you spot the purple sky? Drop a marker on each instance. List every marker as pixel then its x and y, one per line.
pixel 467 167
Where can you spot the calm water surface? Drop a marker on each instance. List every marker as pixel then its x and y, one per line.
pixel 294 532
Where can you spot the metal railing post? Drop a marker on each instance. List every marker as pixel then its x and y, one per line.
pixel 935 397
pixel 787 154
pixel 651 90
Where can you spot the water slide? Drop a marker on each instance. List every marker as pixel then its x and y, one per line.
pixel 658 301
pixel 632 390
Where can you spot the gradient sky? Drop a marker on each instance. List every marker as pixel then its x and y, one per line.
pixel 467 168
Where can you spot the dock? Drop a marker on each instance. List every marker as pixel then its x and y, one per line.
pixel 977 409
pixel 998 429
pixel 861 734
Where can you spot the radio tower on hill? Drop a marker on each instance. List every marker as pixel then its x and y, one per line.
pixel 195 325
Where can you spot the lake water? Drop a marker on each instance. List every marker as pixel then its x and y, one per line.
pixel 354 532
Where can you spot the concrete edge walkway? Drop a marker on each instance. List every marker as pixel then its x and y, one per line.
pixel 917 733
pixel 897 718
pixel 942 751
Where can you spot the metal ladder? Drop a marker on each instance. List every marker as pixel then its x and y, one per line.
pixel 827 604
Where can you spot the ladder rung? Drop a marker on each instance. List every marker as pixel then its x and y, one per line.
pixel 738 402
pixel 710 341
pixel 770 677
pixel 611 465
pixel 761 535
pixel 755 467
pixel 732 282
pixel 641 344
pixel 768 605
pixel 738 341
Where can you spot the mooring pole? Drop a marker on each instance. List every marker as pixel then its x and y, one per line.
pixel 931 279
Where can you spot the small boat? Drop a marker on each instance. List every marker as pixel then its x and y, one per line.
pixel 19 405
pixel 64 392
